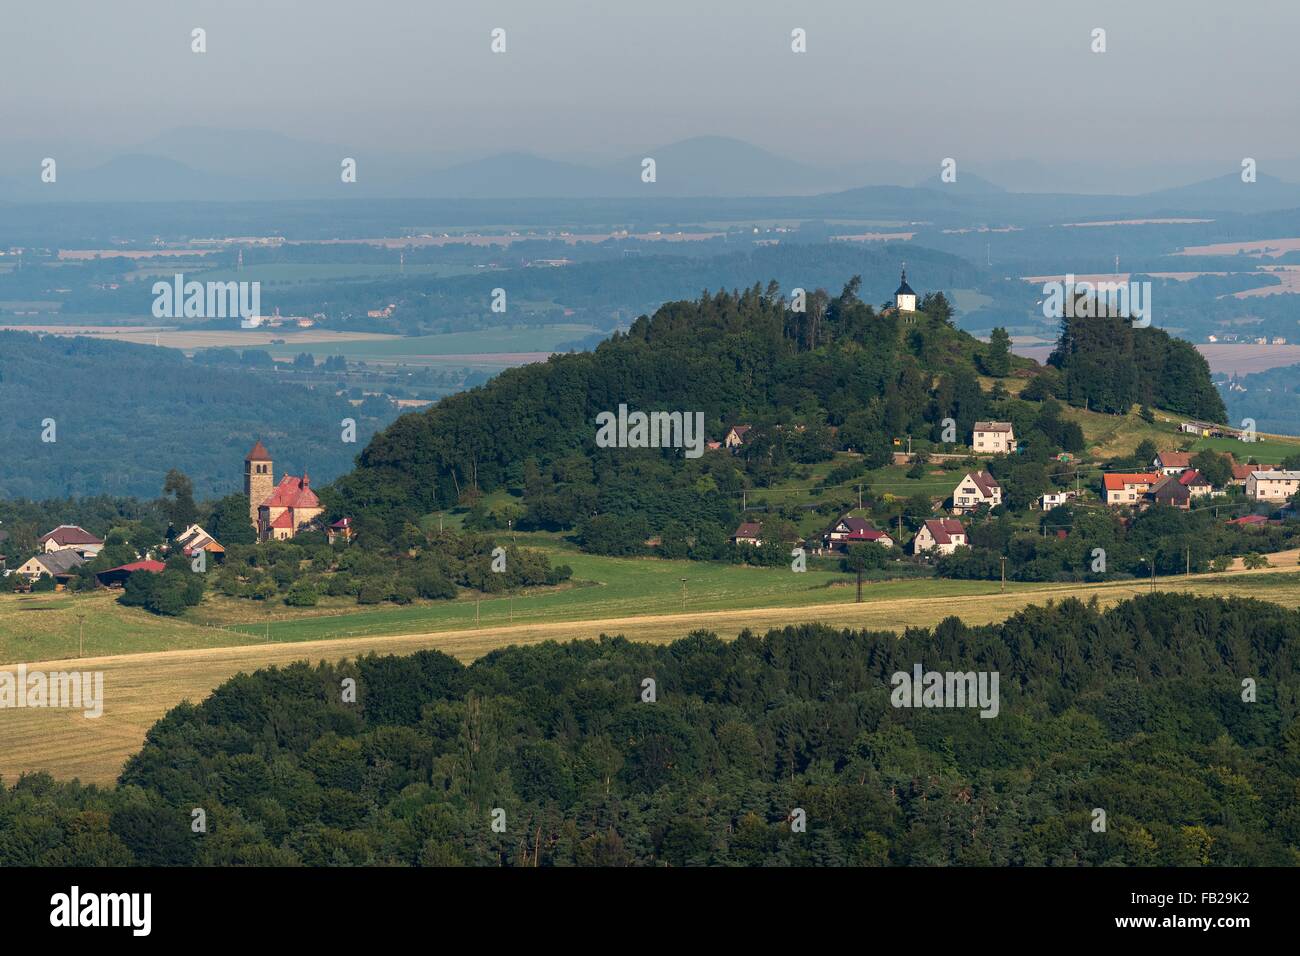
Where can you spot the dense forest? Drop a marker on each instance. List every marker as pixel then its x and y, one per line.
pixel 1138 711
pixel 124 414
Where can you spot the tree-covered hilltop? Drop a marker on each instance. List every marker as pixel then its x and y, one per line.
pixel 836 376
pixel 1107 365
pixel 1137 711
pixel 744 357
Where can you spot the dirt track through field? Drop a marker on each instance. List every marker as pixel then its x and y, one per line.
pixel 140 688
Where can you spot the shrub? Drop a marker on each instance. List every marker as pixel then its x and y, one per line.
pixel 301 595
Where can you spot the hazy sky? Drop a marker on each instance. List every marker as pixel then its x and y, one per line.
pixel 1182 80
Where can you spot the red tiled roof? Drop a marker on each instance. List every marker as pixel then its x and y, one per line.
pixel 342 523
pixel 1249 519
pixel 157 567
pixel 1175 459
pixel 1117 480
pixel 69 534
pixel 258 453
pixel 1192 477
pixel 944 529
pixel 1242 472
pixel 284 520
pixel 985 482
pixel 749 529
pixel 292 492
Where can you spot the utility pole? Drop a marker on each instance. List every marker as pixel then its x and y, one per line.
pixel 859 497
pixel 81 618
pixel 683 595
pixel 1189 560
pixel 477 598
pixel 1003 559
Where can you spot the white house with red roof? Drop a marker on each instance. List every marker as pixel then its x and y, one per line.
pixel 70 537
pixel 1129 488
pixel 850 530
pixel 944 535
pixel 976 488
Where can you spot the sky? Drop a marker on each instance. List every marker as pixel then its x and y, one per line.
pixel 1182 84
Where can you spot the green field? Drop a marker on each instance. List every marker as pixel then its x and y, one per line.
pixel 1267 450
pixel 34 627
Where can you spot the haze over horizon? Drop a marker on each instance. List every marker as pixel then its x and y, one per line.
pixel 1182 93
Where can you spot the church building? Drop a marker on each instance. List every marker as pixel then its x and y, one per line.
pixel 277 511
pixel 905 298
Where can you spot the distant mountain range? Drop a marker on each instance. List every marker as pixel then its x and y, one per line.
pixel 198 164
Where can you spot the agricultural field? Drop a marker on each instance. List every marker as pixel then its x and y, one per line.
pixel 140 688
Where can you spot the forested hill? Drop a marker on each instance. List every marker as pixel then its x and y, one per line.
pixel 835 376
pixel 1137 711
pixel 735 357
pixel 124 414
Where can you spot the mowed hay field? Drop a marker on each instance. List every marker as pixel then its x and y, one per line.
pixel 140 688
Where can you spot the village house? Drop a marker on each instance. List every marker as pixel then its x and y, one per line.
pixel 1128 488
pixel 117 577
pixel 1203 429
pixel 70 537
pixel 194 539
pixel 1168 490
pixel 57 564
pixel 1197 485
pixel 1054 499
pixel 749 532
pixel 976 489
pixel 1172 462
pixel 735 436
pixel 994 438
pixel 1272 485
pixel 850 530
pixel 944 535
pixel 339 529
pixel 277 511
pixel 1241 473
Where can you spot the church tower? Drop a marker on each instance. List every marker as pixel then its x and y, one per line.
pixel 259 478
pixel 905 298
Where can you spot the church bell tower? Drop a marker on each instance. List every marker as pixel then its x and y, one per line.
pixel 259 478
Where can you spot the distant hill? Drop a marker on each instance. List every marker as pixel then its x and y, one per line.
pixel 124 414
pixel 722 166
pixel 1229 193
pixel 967 184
